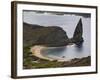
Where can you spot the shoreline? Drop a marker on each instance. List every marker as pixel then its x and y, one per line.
pixel 36 59
pixel 36 51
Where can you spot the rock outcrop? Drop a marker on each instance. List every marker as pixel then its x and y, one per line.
pixel 77 36
pixel 52 36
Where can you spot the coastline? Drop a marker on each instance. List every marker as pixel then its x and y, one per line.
pixel 36 51
pixel 35 59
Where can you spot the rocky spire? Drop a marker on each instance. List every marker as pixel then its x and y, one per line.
pixel 77 37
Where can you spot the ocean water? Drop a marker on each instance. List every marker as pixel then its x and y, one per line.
pixel 68 23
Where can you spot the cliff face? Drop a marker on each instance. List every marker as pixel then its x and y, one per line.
pixel 52 36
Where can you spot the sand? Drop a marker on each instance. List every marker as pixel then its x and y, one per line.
pixel 36 51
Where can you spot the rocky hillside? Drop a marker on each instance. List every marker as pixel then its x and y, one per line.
pixel 40 35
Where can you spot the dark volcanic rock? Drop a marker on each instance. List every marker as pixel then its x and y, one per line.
pixel 77 37
pixel 52 36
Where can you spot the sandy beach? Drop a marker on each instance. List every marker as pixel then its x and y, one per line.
pixel 36 51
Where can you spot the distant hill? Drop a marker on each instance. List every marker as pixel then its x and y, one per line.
pixel 40 35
